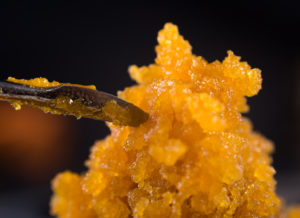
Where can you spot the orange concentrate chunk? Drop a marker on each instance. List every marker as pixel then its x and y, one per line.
pixel 196 156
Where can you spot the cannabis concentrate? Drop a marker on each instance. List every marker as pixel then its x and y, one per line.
pixel 196 156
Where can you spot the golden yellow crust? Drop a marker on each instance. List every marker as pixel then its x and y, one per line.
pixel 196 156
pixel 41 82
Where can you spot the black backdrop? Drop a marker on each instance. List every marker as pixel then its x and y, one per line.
pixel 95 44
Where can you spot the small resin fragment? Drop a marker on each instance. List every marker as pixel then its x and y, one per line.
pixel 196 156
pixel 16 105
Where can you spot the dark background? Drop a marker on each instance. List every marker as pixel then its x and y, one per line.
pixel 95 44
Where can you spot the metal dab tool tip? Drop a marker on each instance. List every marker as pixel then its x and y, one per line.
pixel 74 100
